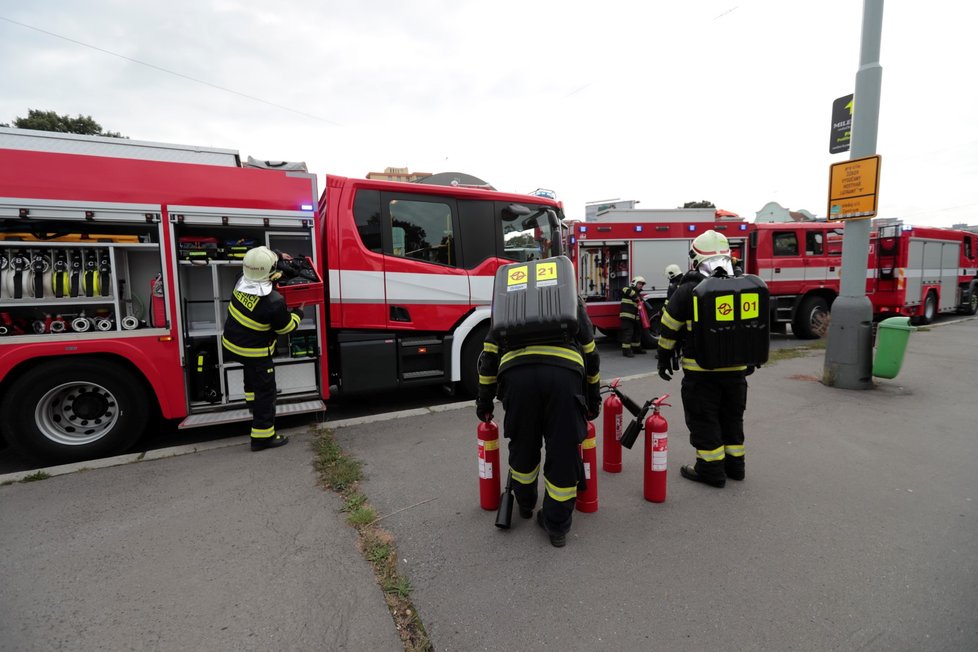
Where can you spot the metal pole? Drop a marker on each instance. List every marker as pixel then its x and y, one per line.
pixel 848 357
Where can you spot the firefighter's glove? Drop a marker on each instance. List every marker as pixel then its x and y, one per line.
pixel 593 402
pixel 665 366
pixel 483 410
pixel 298 311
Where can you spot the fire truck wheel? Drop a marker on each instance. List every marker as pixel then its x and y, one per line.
pixel 971 307
pixel 811 320
pixel 930 310
pixel 471 350
pixel 70 410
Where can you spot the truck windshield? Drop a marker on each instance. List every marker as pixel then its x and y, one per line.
pixel 531 237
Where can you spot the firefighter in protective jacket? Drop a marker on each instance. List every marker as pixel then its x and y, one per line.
pixel 257 315
pixel 631 321
pixel 714 400
pixel 547 390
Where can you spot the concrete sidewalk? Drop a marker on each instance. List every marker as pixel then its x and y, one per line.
pixel 224 549
pixel 855 528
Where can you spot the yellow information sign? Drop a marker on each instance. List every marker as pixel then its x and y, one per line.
pixel 725 308
pixel 516 278
pixel 853 188
pixel 546 274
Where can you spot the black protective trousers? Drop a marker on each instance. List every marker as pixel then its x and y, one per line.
pixel 714 407
pixel 259 379
pixel 630 334
pixel 545 405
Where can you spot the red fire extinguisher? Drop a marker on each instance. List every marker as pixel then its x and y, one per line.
pixel 656 451
pixel 587 500
pixel 488 434
pixel 611 461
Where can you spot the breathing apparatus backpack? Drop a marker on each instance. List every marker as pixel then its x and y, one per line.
pixel 535 303
pixel 731 321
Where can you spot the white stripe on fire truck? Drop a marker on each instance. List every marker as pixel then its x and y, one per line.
pixel 357 286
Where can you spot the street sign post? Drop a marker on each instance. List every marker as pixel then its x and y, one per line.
pixel 841 124
pixel 853 188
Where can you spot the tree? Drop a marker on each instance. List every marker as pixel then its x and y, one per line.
pixel 699 204
pixel 51 121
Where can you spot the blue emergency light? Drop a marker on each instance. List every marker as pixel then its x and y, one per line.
pixel 638 228
pixel 306 207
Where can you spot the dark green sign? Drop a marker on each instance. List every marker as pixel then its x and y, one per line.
pixel 841 125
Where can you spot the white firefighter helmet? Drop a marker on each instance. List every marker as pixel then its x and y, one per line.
pixel 638 279
pixel 259 264
pixel 710 251
pixel 673 271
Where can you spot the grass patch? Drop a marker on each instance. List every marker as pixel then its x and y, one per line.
pixel 362 516
pixel 797 351
pixel 342 473
pixel 34 477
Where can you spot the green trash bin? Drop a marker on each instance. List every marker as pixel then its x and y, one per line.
pixel 891 343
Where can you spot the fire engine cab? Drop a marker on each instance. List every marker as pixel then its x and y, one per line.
pixel 118 259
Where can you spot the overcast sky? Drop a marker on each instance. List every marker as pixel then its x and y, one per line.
pixel 723 100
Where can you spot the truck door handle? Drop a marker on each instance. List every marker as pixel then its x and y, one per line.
pixel 400 313
pixel 777 270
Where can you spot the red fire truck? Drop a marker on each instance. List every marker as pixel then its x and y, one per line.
pixel 923 271
pixel 118 258
pixel 915 271
pixel 621 244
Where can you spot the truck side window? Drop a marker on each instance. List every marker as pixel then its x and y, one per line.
pixel 785 243
pixel 813 243
pixel 531 236
pixel 422 230
pixel 969 251
pixel 366 213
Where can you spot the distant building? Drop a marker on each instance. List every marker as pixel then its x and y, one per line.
pixel 775 212
pixel 397 174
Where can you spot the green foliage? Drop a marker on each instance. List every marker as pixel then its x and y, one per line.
pixel 699 204
pixel 65 124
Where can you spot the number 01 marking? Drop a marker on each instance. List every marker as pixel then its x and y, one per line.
pixel 749 306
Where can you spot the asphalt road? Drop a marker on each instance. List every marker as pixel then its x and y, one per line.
pixel 854 530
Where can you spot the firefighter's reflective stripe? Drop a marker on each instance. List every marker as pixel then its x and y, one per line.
pixel 486 380
pixel 588 348
pixel 714 455
pixel 734 451
pixel 246 321
pixel 670 322
pixel 594 380
pixel 667 343
pixel 291 326
pixel 248 352
pixel 627 315
pixel 262 433
pixel 249 396
pixel 526 478
pixel 690 365
pixel 490 347
pixel 554 351
pixel 560 494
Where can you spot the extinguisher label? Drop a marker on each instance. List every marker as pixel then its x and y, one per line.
pixel 587 470
pixel 660 446
pixel 618 426
pixel 485 470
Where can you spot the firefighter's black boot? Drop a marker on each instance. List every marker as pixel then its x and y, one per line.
pixel 557 539
pixel 734 467
pixel 260 444
pixel 627 353
pixel 712 479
